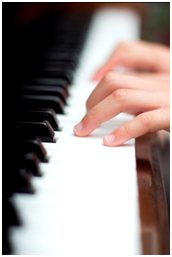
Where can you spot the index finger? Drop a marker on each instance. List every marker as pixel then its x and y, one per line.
pixel 121 100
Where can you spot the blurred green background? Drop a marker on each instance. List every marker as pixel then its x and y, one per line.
pixel 156 22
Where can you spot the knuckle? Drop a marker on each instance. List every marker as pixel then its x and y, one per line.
pixel 108 78
pixel 120 94
pixel 90 118
pixel 113 82
pixel 146 120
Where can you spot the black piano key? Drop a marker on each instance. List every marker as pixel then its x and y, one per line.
pixel 70 43
pixel 32 130
pixel 57 73
pixel 57 82
pixel 40 114
pixel 30 162
pixel 45 90
pixel 67 57
pixel 12 214
pixel 22 182
pixel 62 63
pixel 6 246
pixel 34 146
pixel 59 64
pixel 42 101
pixel 39 101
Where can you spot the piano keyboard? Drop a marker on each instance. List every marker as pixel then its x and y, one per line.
pixel 86 202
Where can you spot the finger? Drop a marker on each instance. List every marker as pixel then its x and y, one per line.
pixel 113 81
pixel 144 123
pixel 121 100
pixel 154 76
pixel 137 55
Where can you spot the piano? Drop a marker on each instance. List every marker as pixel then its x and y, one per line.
pixel 65 195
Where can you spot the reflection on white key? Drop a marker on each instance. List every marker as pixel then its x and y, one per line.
pixel 87 201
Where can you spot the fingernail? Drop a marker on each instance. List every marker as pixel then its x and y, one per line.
pixel 109 139
pixel 78 128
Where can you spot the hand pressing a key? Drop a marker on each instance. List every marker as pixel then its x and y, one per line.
pixel 145 95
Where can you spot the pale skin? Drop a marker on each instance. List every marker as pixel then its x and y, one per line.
pixel 144 92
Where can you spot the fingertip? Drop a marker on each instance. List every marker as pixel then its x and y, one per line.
pixel 109 140
pixel 78 128
pixel 113 140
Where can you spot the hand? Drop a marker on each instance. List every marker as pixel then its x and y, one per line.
pixel 138 55
pixel 146 96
